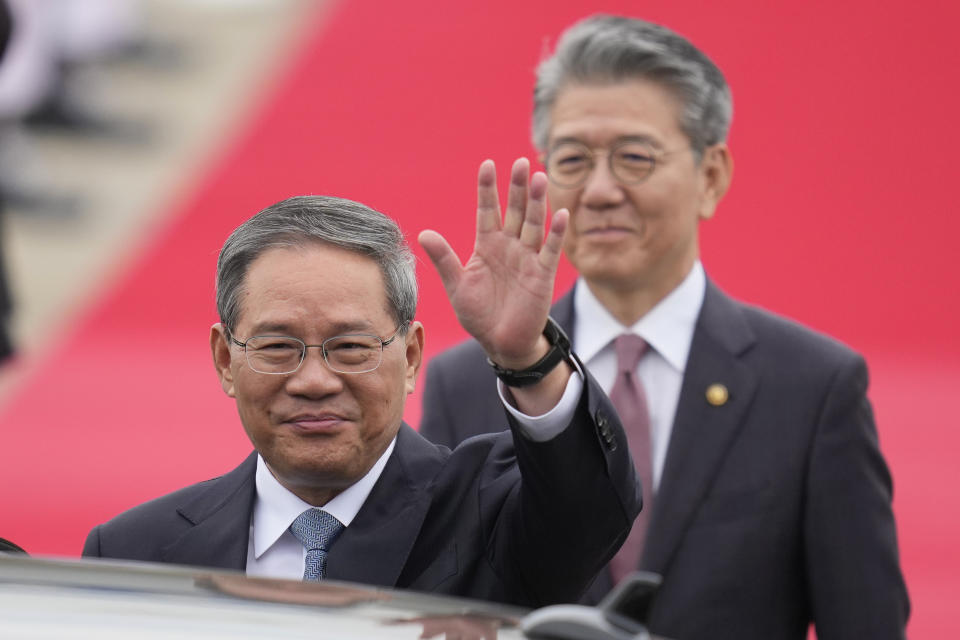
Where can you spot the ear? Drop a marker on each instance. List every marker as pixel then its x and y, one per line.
pixel 414 353
pixel 716 172
pixel 222 357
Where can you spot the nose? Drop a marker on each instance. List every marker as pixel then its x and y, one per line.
pixel 602 189
pixel 314 379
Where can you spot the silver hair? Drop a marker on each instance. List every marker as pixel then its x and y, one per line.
pixel 610 49
pixel 301 220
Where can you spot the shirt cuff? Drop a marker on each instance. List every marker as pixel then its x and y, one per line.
pixel 550 424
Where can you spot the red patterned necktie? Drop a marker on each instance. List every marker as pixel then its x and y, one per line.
pixel 630 401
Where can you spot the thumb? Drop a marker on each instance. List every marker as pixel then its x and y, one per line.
pixel 444 259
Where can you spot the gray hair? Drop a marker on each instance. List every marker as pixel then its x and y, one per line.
pixel 301 220
pixel 609 49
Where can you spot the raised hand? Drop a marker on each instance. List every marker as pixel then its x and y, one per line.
pixel 502 294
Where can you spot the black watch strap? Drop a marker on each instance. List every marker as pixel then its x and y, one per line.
pixel 559 351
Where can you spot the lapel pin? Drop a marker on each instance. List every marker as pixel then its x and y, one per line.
pixel 717 395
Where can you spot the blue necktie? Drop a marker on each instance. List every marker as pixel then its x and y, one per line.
pixel 316 530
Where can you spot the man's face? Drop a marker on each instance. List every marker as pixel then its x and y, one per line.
pixel 642 236
pixel 319 431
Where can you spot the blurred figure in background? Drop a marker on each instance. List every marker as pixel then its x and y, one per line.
pixel 53 44
pixel 49 82
pixel 767 502
pixel 55 102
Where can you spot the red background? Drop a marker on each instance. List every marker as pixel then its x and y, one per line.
pixel 841 215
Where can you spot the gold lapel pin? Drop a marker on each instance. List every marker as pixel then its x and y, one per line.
pixel 717 394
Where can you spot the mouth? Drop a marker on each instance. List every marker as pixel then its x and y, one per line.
pixel 315 422
pixel 607 233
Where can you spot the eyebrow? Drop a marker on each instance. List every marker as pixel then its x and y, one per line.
pixel 336 329
pixel 641 138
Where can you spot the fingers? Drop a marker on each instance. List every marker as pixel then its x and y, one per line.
pixel 444 258
pixel 531 232
pixel 526 211
pixel 517 197
pixel 488 203
pixel 553 246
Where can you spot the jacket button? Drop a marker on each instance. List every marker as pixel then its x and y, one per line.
pixel 603 426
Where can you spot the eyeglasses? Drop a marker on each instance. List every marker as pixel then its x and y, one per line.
pixel 631 162
pixel 352 353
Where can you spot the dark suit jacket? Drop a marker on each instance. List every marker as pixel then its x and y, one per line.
pixel 459 523
pixel 773 509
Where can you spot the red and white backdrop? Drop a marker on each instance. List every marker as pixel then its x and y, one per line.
pixel 841 215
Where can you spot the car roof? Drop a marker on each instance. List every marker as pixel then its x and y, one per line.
pixel 79 598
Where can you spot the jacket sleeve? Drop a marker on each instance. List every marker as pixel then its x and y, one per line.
pixel 855 584
pixel 578 497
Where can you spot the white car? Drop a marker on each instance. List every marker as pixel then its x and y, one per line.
pixel 44 598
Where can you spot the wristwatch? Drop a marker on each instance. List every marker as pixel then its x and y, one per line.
pixel 559 351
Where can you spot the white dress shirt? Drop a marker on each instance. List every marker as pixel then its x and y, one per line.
pixel 668 330
pixel 273 551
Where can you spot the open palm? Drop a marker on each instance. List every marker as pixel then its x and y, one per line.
pixel 502 294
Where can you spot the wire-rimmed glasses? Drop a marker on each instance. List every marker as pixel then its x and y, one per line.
pixel 349 353
pixel 630 161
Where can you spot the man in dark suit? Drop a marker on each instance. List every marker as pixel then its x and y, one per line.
pixel 770 497
pixel 319 347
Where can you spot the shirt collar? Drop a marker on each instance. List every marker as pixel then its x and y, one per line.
pixel 276 507
pixel 667 327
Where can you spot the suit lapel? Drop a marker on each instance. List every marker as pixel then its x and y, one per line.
pixel 702 432
pixel 375 547
pixel 221 519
